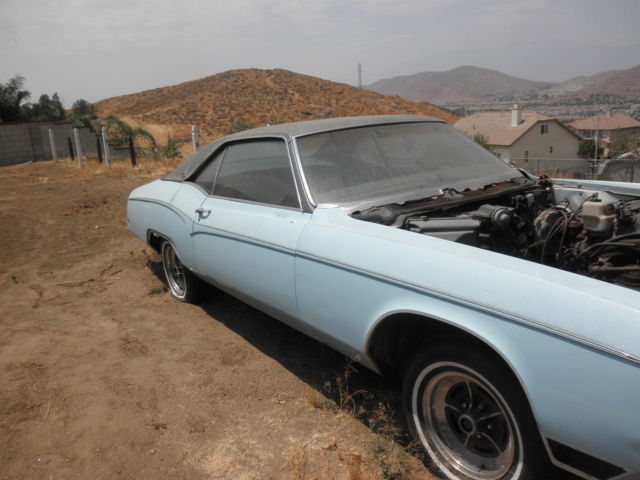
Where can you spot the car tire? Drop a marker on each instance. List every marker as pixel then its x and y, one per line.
pixel 469 413
pixel 183 284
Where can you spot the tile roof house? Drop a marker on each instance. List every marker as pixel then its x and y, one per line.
pixel 610 127
pixel 529 140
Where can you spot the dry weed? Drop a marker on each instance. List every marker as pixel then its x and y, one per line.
pixel 313 398
pixel 396 456
pixel 355 469
pixel 146 166
pixel 297 463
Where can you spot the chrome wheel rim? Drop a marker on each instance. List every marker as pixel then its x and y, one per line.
pixel 465 424
pixel 173 271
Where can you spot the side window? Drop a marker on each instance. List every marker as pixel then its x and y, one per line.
pixel 258 171
pixel 206 176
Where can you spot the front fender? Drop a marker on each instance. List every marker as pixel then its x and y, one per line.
pixel 570 340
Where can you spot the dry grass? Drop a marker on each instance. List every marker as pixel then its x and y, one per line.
pixel 146 166
pixel 397 456
pixel 297 464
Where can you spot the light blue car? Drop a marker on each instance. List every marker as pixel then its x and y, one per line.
pixel 506 303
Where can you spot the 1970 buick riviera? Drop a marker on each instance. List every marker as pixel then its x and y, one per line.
pixel 507 303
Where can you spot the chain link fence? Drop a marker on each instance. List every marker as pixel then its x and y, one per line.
pixel 618 170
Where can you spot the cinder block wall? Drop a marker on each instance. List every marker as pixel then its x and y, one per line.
pixel 18 145
pixel 29 142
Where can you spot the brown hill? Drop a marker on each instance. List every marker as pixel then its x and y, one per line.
pixel 461 84
pixel 255 96
pixel 577 84
pixel 624 83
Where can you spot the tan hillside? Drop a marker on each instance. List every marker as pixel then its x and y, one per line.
pixel 259 97
pixel 625 83
pixel 461 84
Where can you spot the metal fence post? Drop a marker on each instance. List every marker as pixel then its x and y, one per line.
pixel 98 149
pixel 195 138
pixel 132 152
pixel 52 141
pixel 70 145
pixel 105 144
pixel 78 146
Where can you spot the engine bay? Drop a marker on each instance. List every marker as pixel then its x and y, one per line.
pixel 589 232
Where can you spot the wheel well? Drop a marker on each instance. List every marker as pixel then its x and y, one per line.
pixel 398 337
pixel 155 240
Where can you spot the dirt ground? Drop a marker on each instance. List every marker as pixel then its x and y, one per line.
pixel 103 375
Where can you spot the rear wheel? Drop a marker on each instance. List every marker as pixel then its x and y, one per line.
pixel 183 284
pixel 470 415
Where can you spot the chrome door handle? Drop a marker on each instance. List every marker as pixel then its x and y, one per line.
pixel 203 211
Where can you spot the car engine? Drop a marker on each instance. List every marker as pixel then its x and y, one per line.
pixel 590 232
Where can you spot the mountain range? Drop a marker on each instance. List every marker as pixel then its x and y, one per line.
pixel 470 84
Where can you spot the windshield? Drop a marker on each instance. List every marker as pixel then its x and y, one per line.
pixel 402 162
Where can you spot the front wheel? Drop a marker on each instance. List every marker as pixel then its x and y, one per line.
pixel 470 415
pixel 183 284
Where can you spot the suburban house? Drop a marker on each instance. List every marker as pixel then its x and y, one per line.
pixel 610 129
pixel 528 140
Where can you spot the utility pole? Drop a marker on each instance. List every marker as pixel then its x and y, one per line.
pixel 359 75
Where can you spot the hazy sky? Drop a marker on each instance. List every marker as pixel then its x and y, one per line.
pixel 96 49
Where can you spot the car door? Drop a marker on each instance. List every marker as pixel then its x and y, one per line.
pixel 247 228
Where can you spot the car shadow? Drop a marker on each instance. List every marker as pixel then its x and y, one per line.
pixel 346 384
pixel 372 399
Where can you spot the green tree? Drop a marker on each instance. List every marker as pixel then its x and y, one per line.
pixel 47 109
pixel 79 120
pixel 626 142
pixel 12 95
pixel 82 107
pixel 83 114
pixel 587 148
pixel 481 139
pixel 170 150
pixel 119 132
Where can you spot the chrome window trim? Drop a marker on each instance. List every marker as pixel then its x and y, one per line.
pixel 190 179
pixel 225 149
pixel 253 202
pixel 303 176
pixel 204 165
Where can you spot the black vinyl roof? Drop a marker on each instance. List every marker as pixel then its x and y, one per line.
pixel 289 131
